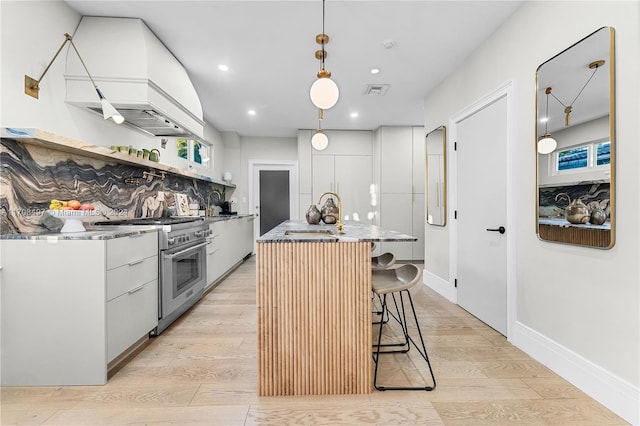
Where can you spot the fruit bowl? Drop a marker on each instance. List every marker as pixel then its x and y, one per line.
pixel 72 219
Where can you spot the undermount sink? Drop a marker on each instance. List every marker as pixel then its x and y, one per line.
pixel 309 233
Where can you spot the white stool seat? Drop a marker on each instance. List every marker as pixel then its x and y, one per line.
pixel 394 280
pixel 384 261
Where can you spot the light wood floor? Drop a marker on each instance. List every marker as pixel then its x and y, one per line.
pixel 202 371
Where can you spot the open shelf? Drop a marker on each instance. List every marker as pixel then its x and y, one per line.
pixel 72 146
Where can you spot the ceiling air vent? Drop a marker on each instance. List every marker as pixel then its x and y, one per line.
pixel 376 89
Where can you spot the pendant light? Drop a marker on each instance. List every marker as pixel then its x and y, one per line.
pixel 324 92
pixel 547 144
pixel 319 140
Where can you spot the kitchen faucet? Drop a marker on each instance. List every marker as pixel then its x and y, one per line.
pixel 339 224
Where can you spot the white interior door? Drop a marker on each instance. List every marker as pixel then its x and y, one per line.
pixel 481 214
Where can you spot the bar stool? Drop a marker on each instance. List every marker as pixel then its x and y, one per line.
pixel 396 282
pixel 379 263
pixel 384 261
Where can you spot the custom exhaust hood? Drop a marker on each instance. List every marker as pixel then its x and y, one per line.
pixel 137 73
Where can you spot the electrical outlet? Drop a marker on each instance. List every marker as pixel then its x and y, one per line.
pixel 160 196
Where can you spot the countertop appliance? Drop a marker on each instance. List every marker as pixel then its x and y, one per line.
pixel 182 269
pixel 227 208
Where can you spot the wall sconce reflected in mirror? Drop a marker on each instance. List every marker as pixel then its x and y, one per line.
pixel 32 86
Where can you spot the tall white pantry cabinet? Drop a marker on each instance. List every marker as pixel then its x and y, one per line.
pixel 380 175
pixel 344 167
pixel 399 165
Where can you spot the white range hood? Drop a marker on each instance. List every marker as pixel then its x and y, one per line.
pixel 137 74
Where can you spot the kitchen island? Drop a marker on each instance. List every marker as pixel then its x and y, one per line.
pixel 314 308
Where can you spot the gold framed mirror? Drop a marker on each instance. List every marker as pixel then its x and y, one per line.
pixel 436 151
pixel 575 143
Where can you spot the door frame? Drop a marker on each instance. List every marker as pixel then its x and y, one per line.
pixel 506 90
pixel 255 166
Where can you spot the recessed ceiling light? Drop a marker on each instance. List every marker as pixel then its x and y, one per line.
pixel 374 70
pixel 223 67
pixel 251 112
pixel 354 115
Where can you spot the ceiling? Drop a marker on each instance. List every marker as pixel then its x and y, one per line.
pixel 269 48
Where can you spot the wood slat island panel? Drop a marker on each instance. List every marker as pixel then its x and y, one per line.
pixel 314 318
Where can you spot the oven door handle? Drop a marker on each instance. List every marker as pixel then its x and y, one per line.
pixel 181 252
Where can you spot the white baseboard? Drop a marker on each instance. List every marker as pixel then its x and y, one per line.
pixel 440 286
pixel 616 394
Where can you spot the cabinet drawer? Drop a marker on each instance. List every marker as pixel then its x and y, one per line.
pixel 130 317
pixel 131 276
pixel 121 251
pixel 214 243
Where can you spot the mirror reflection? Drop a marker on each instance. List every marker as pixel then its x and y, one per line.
pixel 436 176
pixel 575 143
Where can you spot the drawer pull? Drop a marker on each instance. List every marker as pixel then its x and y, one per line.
pixel 136 289
pixel 136 262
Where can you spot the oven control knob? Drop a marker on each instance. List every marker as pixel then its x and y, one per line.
pixel 171 241
pixel 187 237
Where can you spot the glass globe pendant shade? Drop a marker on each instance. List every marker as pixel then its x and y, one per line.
pixel 319 141
pixel 547 144
pixel 324 93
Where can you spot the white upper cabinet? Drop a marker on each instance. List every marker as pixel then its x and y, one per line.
pixel 419 158
pixel 396 160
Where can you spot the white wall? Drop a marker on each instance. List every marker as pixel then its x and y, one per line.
pixel 580 134
pixel 257 148
pixel 31 33
pixel 582 303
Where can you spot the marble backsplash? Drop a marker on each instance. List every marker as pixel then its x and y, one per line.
pixel 31 176
pixel 594 195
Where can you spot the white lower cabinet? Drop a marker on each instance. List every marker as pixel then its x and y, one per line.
pixel 231 241
pixel 69 307
pixel 132 291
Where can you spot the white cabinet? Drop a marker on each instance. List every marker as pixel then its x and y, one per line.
pixel 350 176
pixel 68 307
pixel 230 242
pixel 132 291
pixel 397 163
pixel 401 163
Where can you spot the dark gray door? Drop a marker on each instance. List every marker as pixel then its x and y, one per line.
pixel 274 198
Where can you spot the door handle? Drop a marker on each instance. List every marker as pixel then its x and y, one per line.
pixel 500 230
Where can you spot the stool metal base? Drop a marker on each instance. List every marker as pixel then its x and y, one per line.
pixel 400 317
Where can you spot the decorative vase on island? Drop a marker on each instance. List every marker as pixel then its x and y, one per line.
pixel 313 215
pixel 329 212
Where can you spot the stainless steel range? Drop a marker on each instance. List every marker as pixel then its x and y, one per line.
pixel 182 263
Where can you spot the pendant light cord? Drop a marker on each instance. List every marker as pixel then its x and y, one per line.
pixel 323 35
pixel 580 92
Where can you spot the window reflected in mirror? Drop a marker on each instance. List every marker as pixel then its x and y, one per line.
pixel 436 176
pixel 575 140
